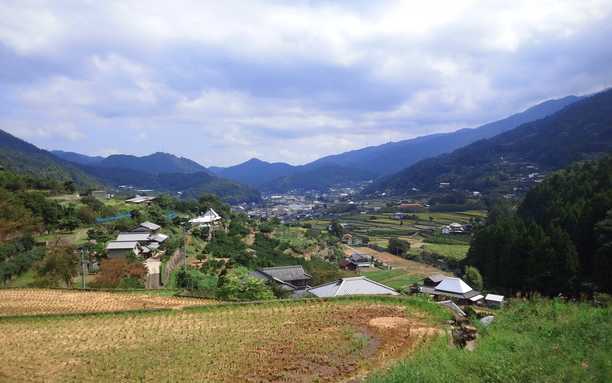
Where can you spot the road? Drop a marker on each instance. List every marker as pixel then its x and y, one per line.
pixel 154 276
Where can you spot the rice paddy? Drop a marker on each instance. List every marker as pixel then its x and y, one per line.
pixel 301 341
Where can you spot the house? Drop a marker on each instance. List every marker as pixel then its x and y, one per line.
pixel 207 219
pixel 119 249
pixel 148 227
pixel 345 264
pixel 352 286
pixel 397 216
pixel 360 260
pixel 434 280
pixel 493 299
pixel 99 194
pixel 347 238
pixel 143 201
pixel 292 278
pixel 453 288
pixel 452 228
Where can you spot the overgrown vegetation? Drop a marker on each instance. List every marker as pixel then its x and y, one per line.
pixel 530 340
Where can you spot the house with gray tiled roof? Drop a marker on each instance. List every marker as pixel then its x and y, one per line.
pixel 453 288
pixel 292 278
pixel 352 286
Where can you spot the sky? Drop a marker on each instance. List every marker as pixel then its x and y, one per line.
pixel 221 82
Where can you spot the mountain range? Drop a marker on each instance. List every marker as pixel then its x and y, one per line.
pixel 384 159
pixel 579 131
pixel 163 171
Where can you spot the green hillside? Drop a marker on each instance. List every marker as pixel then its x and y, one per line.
pixel 580 131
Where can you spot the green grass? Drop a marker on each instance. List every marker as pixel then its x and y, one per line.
pixel 457 252
pixel 381 275
pixel 24 280
pixel 538 340
pixel 390 277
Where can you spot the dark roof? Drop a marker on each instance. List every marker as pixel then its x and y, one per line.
pixel 357 257
pixel 286 273
pixel 344 262
pixel 436 278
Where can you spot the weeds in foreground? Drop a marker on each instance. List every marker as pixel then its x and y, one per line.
pixel 530 340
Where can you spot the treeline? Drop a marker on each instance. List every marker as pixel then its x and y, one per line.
pixel 559 237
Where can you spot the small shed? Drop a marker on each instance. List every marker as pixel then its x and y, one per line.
pixel 493 299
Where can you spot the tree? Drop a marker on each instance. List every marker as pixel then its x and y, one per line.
pixel 93 203
pixel 114 271
pixel 87 214
pixel 14 218
pixel 60 264
pixel 336 229
pixel 398 246
pixel 473 278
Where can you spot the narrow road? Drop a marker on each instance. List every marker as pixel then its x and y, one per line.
pixel 154 276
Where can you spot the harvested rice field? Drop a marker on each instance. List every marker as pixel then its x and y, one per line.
pixel 300 341
pixel 19 302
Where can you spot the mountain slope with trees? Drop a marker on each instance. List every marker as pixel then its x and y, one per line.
pixel 560 235
pixel 22 157
pixel 580 131
pixel 155 163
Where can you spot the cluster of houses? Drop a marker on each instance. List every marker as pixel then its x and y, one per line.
pixel 442 288
pixel 142 240
pixel 295 280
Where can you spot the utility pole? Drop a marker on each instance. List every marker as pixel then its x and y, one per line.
pixel 185 246
pixel 82 262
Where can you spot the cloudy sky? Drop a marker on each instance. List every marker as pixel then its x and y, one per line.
pixel 220 82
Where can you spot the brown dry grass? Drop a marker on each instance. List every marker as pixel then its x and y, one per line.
pixel 291 342
pixel 19 302
pixel 413 268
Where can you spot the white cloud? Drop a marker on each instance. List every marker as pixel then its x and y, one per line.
pixel 32 129
pixel 287 81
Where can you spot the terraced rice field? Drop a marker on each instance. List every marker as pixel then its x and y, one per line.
pixel 303 341
pixel 19 302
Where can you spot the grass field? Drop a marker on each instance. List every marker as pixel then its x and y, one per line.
pixel 396 279
pixel 450 251
pixel 528 341
pixel 303 341
pixel 15 302
pixel 24 280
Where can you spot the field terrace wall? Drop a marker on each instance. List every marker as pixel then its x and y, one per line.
pixel 174 261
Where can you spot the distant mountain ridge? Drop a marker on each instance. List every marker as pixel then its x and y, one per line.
pixel 77 158
pixel 579 131
pixel 22 157
pixel 155 163
pixel 394 156
pixel 386 158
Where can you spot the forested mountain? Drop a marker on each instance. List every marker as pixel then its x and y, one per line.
pixel 322 178
pixel 390 157
pixel 393 157
pixel 155 163
pixel 22 157
pixel 579 131
pixel 255 172
pixel 76 157
pixel 560 236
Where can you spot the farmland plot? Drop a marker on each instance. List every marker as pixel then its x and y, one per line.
pixel 16 302
pixel 294 342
